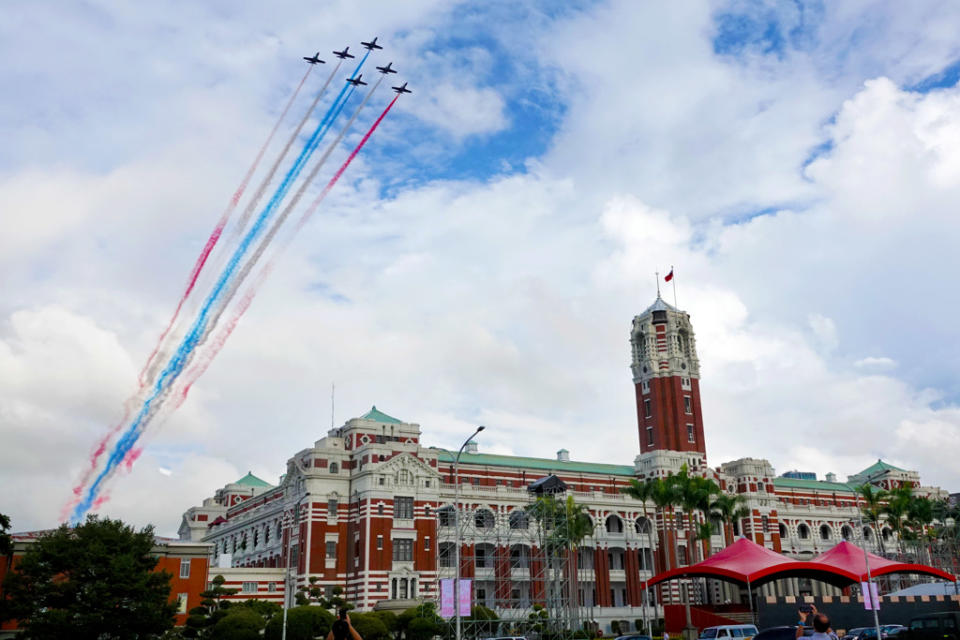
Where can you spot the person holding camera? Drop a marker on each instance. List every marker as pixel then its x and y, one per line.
pixel 820 621
pixel 342 629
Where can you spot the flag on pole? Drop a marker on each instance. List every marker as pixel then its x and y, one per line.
pixel 669 276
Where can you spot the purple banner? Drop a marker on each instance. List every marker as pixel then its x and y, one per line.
pixel 871 599
pixel 447 597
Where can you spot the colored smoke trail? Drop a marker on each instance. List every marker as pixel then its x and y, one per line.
pixel 143 378
pixel 181 356
pixel 201 367
pixel 291 205
pixel 221 224
pixel 258 194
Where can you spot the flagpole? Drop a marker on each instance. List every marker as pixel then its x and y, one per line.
pixel 656 278
pixel 674 281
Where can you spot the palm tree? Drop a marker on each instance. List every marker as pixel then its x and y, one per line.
pixel 874 500
pixel 729 508
pixel 643 491
pixel 695 494
pixel 664 495
pixel 920 512
pixel 898 503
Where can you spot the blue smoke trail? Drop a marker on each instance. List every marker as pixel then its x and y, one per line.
pixel 179 359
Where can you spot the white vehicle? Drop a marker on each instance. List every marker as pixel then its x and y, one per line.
pixel 742 631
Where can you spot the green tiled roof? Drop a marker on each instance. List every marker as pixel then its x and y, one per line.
pixel 379 416
pixel 878 467
pixel 816 485
pixel 251 480
pixel 546 464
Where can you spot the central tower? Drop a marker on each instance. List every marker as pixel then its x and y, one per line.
pixel 666 376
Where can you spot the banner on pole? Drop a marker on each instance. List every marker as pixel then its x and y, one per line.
pixel 871 598
pixel 448 596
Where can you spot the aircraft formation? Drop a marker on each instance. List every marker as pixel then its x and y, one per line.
pixel 343 55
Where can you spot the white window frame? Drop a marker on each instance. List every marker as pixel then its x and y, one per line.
pixel 184 567
pixel 691 433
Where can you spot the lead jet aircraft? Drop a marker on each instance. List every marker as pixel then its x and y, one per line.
pixel 402 89
pixel 387 69
pixel 343 54
pixel 371 45
pixel 356 81
pixel 315 59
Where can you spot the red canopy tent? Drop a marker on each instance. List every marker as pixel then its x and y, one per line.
pixel 849 558
pixel 749 564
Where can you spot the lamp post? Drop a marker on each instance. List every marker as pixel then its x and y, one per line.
pixel 456 526
pixel 866 563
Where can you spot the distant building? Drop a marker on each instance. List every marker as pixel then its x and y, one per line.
pixel 799 475
pixel 368 507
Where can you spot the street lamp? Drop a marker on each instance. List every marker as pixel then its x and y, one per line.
pixel 456 525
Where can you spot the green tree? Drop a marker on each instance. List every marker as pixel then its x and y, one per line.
pixel 389 620
pixel 303 623
pixel 211 610
pixel 6 542
pixel 728 509
pixel 665 496
pixel 96 580
pixel 874 500
pixel 420 622
pixel 369 626
pixel 240 623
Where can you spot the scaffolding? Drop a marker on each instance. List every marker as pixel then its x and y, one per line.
pixel 522 555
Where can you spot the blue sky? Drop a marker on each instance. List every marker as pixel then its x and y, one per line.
pixel 482 258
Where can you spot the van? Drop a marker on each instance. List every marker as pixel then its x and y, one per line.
pixel 944 625
pixel 742 631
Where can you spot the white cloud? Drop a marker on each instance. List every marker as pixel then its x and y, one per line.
pixel 875 362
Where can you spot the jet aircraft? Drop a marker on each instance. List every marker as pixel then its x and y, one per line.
pixel 387 69
pixel 371 45
pixel 356 81
pixel 402 89
pixel 315 59
pixel 343 54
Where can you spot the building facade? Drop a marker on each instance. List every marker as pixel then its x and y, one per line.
pixel 371 508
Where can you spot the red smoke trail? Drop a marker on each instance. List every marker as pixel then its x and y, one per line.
pixel 200 367
pixel 218 229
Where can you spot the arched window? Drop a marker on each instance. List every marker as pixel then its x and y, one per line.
pixel 483 555
pixel 334 468
pixel 483 519
pixel 642 525
pixel 825 532
pixel 886 533
pixel 783 531
pixel 803 531
pixel 519 519
pixel 447 516
pixel 867 533
pixel 256 538
pixel 614 524
pixel 846 532
pixel 519 556
pixel 445 554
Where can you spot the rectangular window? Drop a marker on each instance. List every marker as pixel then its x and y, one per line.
pixel 690 434
pixel 403 550
pixel 647 412
pixel 766 523
pixel 249 587
pixel 185 567
pixel 481 558
pixel 687 404
pixel 379 543
pixel 403 508
pixel 331 549
pixel 649 436
pixel 272 587
pixel 332 507
pixel 181 603
pixel 426 543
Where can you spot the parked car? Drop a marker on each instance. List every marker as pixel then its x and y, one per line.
pixel 633 637
pixel 744 631
pixel 865 633
pixel 788 632
pixel 892 629
pixel 944 625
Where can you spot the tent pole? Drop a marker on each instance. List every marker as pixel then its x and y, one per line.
pixel 753 617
